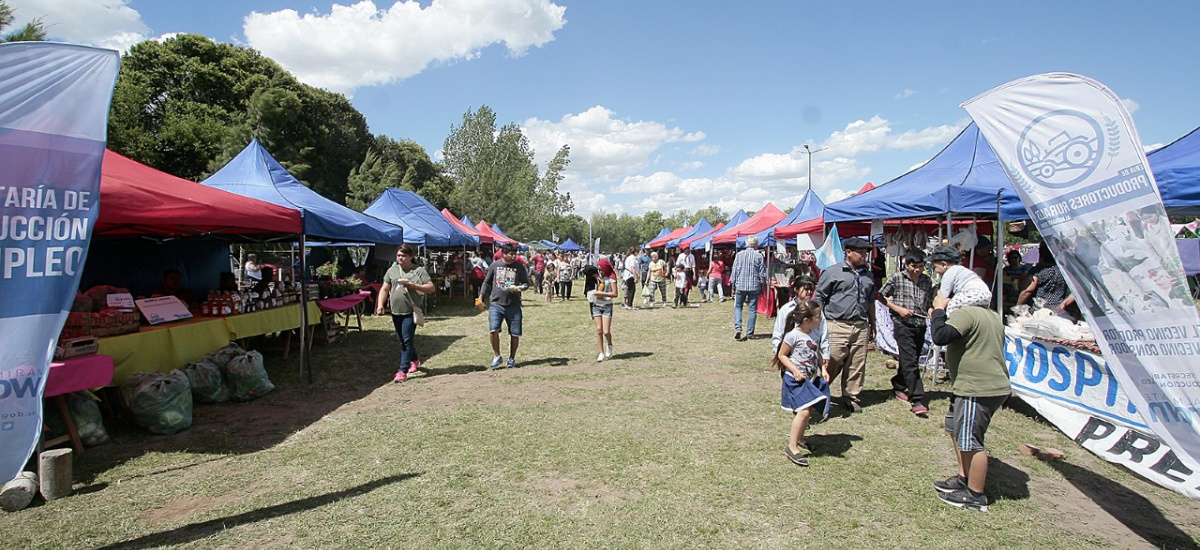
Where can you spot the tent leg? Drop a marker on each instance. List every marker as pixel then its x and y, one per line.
pixel 304 366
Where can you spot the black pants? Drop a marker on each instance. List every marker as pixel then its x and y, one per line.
pixel 630 290
pixel 537 281
pixel 909 340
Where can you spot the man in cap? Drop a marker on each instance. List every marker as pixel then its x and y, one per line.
pixel 748 278
pixel 847 295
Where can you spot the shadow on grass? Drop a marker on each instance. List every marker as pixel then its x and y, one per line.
pixel 1004 481
pixel 197 531
pixel 832 444
pixel 631 355
pixel 551 361
pixel 1126 506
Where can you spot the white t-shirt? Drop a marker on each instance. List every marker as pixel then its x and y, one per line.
pixel 631 266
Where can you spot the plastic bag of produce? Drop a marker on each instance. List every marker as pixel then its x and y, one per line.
pixel 222 356
pixel 208 385
pixel 247 377
pixel 85 413
pixel 161 403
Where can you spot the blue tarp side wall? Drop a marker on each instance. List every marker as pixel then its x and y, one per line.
pixel 423 223
pixel 1176 167
pixel 256 174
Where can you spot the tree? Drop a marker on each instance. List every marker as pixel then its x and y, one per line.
pixel 368 181
pixel 495 178
pixel 714 215
pixel 33 31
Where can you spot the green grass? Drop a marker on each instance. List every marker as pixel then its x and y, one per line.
pixel 675 443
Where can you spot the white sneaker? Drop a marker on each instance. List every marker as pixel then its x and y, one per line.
pixel 607 351
pixel 600 358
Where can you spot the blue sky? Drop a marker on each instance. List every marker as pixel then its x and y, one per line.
pixel 671 104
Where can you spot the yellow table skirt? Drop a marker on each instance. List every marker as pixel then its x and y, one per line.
pixel 166 347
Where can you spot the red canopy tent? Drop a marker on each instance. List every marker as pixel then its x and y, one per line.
pixel 659 242
pixel 869 186
pixel 816 225
pixel 483 229
pixel 137 200
pixel 687 245
pixel 483 239
pixel 768 216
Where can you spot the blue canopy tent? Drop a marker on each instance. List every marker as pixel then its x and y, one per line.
pixel 423 223
pixel 662 233
pixel 553 245
pixel 735 221
pixel 467 220
pixel 520 245
pixel 256 174
pixel 700 228
pixel 810 207
pixel 569 246
pixel 1176 167
pixel 964 178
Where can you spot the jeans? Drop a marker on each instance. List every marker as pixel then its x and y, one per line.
pixel 909 341
pixel 406 330
pixel 715 289
pixel 750 298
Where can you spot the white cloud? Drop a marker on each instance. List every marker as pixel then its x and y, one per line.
pixel 601 144
pixel 694 165
pixel 364 45
pixel 838 194
pixel 1131 105
pixel 706 150
pixel 906 93
pixel 103 23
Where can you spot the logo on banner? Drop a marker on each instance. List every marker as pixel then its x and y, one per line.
pixel 1061 148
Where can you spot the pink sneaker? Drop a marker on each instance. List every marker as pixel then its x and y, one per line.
pixel 920 410
pixel 413 366
pixel 400 376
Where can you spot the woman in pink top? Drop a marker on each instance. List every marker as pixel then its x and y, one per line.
pixel 715 278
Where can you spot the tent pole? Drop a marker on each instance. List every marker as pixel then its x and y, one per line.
pixel 998 274
pixel 303 277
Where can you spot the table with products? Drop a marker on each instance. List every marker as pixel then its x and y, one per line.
pixel 163 348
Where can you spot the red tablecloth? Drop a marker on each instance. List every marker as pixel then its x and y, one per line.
pixel 79 373
pixel 336 305
pixel 766 302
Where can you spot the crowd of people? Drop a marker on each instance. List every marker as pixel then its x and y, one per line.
pixel 819 339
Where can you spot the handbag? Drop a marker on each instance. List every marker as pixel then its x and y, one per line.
pixel 418 316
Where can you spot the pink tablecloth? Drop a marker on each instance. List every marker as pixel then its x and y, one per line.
pixel 79 373
pixel 335 305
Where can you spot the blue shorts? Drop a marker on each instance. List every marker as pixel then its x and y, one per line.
pixel 968 419
pixel 510 315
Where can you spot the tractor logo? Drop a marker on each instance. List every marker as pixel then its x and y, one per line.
pixel 1060 148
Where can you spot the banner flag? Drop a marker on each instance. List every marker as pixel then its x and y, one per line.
pixel 830 253
pixel 53 121
pixel 1074 156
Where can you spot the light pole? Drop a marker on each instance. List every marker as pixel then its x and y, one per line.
pixel 810 152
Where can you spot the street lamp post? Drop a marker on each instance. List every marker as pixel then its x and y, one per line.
pixel 810 152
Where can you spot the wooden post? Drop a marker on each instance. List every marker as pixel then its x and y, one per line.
pixel 55 473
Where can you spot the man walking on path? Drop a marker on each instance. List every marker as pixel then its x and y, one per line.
pixel 629 275
pixel 749 276
pixel 907 294
pixel 974 340
pixel 539 271
pixel 502 285
pixel 847 295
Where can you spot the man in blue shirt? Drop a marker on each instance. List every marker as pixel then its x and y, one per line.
pixel 847 295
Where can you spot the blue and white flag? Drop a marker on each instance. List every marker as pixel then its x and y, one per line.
pixel 830 253
pixel 1074 156
pixel 54 101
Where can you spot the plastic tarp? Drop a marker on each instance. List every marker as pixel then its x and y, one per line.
pixel 767 217
pixel 137 200
pixel 256 174
pixel 483 229
pixel 964 178
pixel 700 228
pixel 470 230
pixel 1189 252
pixel 1176 167
pixel 809 208
pixel 702 241
pixel 662 241
pixel 687 245
pixel 661 233
pixel 423 223
pixel 467 220
pixel 569 246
